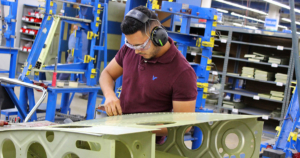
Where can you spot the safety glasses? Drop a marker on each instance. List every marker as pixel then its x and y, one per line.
pixel 144 46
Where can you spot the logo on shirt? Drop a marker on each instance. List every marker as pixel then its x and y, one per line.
pixel 154 78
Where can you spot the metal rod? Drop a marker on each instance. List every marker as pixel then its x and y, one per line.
pixel 29 85
pixel 74 19
pixel 295 47
pixel 86 5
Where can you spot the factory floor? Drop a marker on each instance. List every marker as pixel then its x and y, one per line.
pixel 78 107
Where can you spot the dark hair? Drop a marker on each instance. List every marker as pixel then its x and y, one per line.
pixel 130 25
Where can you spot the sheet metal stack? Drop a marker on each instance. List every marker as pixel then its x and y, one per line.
pixel 281 78
pixel 247 72
pixel 233 105
pixel 276 95
pixel 256 57
pixel 264 75
pixel 264 95
pixel 278 60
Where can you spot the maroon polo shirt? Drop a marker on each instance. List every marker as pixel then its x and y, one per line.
pixel 151 85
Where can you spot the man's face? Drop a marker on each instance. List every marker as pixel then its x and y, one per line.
pixel 139 38
pixel 75 27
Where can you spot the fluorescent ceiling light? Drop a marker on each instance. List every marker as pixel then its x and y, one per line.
pixel 281 5
pixel 236 24
pixel 221 10
pixel 243 7
pixel 289 20
pixel 249 27
pixel 284 27
pixel 246 17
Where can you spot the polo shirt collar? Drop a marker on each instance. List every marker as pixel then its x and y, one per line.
pixel 168 56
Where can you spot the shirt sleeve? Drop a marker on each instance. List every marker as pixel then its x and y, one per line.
pixel 185 86
pixel 120 55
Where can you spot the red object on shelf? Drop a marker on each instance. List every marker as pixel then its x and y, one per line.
pixel 23 30
pixel 26 48
pixel 27 18
pixel 37 20
pixel 32 19
pixel 35 31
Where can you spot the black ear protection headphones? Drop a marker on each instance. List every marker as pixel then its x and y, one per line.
pixel 158 35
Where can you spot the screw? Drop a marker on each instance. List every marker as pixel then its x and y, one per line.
pixel 198 13
pixel 171 9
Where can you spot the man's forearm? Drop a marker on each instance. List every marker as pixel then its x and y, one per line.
pixel 107 84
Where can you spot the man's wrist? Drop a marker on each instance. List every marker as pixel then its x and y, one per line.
pixel 110 94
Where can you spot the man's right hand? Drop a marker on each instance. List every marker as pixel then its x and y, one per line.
pixel 112 106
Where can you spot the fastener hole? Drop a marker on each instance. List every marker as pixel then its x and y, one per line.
pixel 232 141
pixel 226 156
pixel 221 150
pixel 50 136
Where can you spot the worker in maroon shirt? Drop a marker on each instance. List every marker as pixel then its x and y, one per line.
pixel 156 76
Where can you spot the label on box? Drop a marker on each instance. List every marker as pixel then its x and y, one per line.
pixel 37 16
pixel 185 6
pixel 280 47
pixel 23 18
pixel 193 53
pixel 25 49
pixel 235 110
pixel 25 27
pixel 21 48
pixel 26 31
pixel 21 30
pixel 213 88
pixel 223 40
pixel 258 31
pixel 256 97
pixel 32 13
pixel 29 50
pixel 31 32
pixel 274 65
pixel 32 20
pixel 265 117
pixel 27 19
pixel 62 11
pixel 279 84
pixel 215 73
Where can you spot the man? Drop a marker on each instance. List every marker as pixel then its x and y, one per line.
pixel 156 76
pixel 70 59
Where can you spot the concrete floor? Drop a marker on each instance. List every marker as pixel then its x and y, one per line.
pixel 78 107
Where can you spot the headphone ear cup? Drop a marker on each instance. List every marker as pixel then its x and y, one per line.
pixel 159 36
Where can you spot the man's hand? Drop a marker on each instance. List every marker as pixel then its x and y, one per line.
pixel 112 106
pixel 2 123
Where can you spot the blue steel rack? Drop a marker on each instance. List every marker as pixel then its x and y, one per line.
pixel 9 36
pixel 99 11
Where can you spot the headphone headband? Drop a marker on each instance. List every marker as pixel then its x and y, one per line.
pixel 138 15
